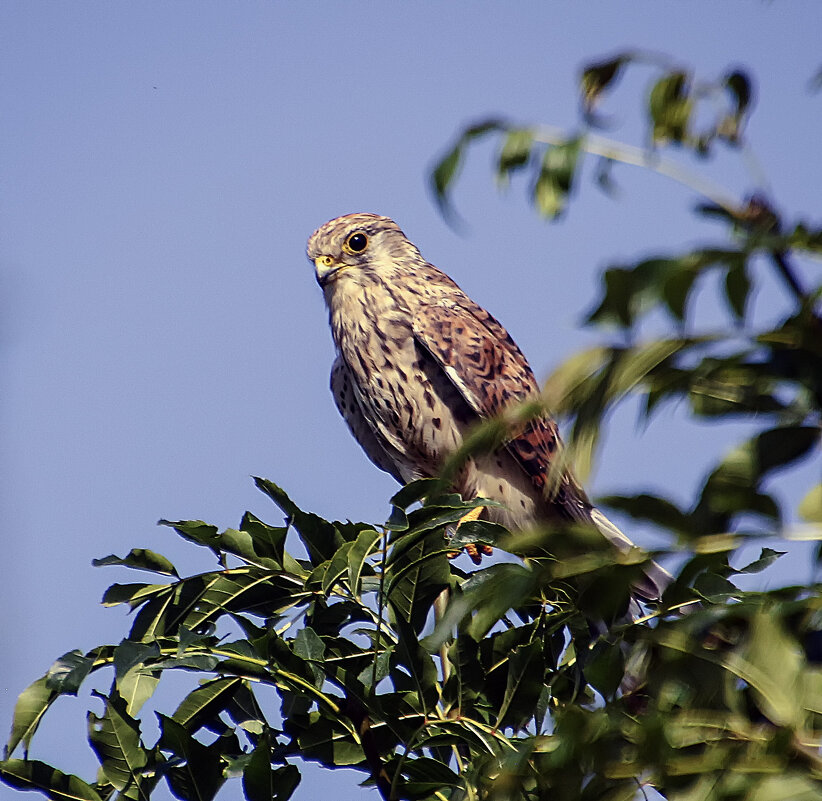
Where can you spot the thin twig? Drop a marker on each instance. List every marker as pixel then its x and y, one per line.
pixel 786 270
pixel 635 156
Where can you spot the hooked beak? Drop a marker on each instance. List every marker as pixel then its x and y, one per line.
pixel 325 268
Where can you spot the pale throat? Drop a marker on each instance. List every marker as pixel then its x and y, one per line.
pixel 358 304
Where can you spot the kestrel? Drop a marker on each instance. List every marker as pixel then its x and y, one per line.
pixel 419 364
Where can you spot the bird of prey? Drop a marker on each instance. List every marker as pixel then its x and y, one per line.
pixel 419 364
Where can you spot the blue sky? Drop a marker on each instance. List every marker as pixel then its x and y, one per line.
pixel 162 337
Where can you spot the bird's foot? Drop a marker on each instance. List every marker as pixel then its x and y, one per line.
pixel 474 550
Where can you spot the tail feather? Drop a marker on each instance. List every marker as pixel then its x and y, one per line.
pixel 656 578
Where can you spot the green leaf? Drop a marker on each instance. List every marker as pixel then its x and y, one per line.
pixel 67 674
pixel 133 594
pixel 491 593
pixel 309 647
pixel 669 107
pixel 337 568
pixel 320 537
pixel 244 710
pixel 526 671
pixel 556 177
pixel 425 777
pixel 477 531
pixel 420 665
pixel 246 589
pixel 515 152
pixel 28 712
pixel 772 664
pixel 268 541
pixel 141 559
pixel 446 170
pixel 766 558
pixel 415 491
pixel 739 84
pixel 204 703
pixel 415 576
pixel 242 545
pixel 597 77
pixel 653 508
pixel 115 738
pixel 195 531
pixel 134 683
pixel 380 667
pixel 737 288
pixel 261 783
pixel 617 305
pixel 329 742
pixel 35 775
pixel 676 290
pixel 605 668
pixel 733 487
pixel 364 546
pixel 810 508
pixel 715 588
pixel 200 775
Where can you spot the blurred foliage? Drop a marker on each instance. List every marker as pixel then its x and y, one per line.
pixel 524 678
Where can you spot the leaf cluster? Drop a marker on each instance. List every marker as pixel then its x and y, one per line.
pixel 680 110
pixel 515 692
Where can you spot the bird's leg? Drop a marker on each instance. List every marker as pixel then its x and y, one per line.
pixel 476 552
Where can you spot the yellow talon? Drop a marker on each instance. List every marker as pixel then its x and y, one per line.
pixel 472 549
pixel 472 514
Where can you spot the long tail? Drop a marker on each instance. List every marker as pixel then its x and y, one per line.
pixel 656 578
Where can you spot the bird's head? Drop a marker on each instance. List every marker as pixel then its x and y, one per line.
pixel 358 245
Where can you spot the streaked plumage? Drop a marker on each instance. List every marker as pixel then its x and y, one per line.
pixel 419 363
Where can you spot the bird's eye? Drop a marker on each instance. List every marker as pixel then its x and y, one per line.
pixel 356 243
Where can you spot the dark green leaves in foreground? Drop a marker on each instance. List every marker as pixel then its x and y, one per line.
pixel 511 691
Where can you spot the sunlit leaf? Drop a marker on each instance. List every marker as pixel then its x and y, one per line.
pixel 115 738
pixel 515 153
pixel 68 672
pixel 556 177
pixel 669 107
pixel 141 559
pixel 206 702
pixel 28 712
pixel 360 551
pixel 34 775
pixel 134 683
pixel 810 508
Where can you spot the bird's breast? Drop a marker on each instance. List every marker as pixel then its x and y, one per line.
pixel 405 395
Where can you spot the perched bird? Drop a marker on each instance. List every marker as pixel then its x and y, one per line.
pixel 419 364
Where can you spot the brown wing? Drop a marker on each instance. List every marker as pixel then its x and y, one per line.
pixel 490 372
